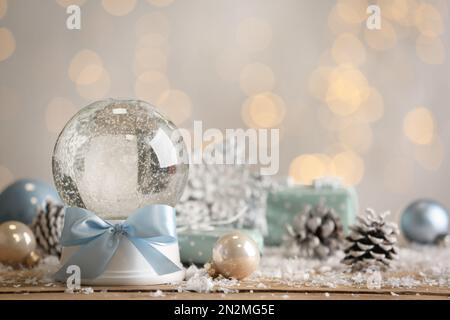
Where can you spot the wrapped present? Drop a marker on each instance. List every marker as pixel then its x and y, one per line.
pixel 196 245
pixel 284 204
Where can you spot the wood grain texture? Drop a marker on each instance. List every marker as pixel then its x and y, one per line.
pixel 17 286
pixel 218 296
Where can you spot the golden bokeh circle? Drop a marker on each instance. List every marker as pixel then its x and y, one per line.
pixel 356 136
pixel 86 67
pixel 401 15
pixel 153 40
pixel 396 10
pixel 254 34
pixel 118 7
pixel 153 22
pixel 352 11
pixel 372 109
pixel 349 166
pixel 348 49
pixel 66 3
pixel 337 25
pixel 150 58
pixel 96 90
pixel 382 39
pixel 319 81
pixel 150 85
pixel 419 126
pixel 176 105
pixel 59 111
pixel 3 8
pixel 428 20
pixel 89 74
pixel 348 89
pixel 430 50
pixel 265 110
pixel 8 44
pixel 256 78
pixel 160 3
pixel 307 167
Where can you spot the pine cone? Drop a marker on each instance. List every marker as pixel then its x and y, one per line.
pixel 315 233
pixel 371 243
pixel 47 227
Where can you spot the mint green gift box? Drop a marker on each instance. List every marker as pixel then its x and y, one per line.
pixel 284 204
pixel 196 245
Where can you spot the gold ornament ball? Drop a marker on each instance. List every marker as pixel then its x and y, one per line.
pixel 31 260
pixel 235 255
pixel 17 243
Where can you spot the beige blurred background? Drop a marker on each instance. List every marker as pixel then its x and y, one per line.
pixel 369 106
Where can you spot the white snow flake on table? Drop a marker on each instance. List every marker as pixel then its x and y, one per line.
pixel 417 266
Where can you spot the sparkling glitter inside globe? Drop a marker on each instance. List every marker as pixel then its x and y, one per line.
pixel 115 156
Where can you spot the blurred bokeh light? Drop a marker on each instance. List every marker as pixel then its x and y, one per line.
pixel 369 106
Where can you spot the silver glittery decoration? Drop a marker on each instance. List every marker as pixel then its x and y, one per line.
pixel 221 194
pixel 315 233
pixel 425 221
pixel 48 226
pixel 371 242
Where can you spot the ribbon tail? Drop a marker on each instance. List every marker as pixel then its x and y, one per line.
pixel 92 258
pixel 159 262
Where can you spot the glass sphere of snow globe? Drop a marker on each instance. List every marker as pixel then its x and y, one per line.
pixel 115 156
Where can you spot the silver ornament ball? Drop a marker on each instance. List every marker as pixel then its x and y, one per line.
pixel 425 221
pixel 235 255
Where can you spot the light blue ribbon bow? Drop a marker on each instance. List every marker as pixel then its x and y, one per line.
pixel 98 239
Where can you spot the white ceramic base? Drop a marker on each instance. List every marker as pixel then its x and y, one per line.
pixel 129 267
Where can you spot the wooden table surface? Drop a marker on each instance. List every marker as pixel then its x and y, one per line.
pixel 17 285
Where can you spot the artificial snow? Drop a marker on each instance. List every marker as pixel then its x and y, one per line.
pixel 87 290
pixel 261 286
pixel 417 266
pixel 198 280
pixel 157 293
pixel 374 280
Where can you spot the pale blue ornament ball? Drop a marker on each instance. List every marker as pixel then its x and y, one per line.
pixel 19 201
pixel 425 221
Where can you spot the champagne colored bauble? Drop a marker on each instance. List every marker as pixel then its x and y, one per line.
pixel 32 259
pixel 17 243
pixel 235 255
pixel 115 156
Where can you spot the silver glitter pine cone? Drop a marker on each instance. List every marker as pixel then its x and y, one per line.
pixel 371 242
pixel 47 227
pixel 315 233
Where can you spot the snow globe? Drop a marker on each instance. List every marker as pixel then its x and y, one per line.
pixel 112 158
